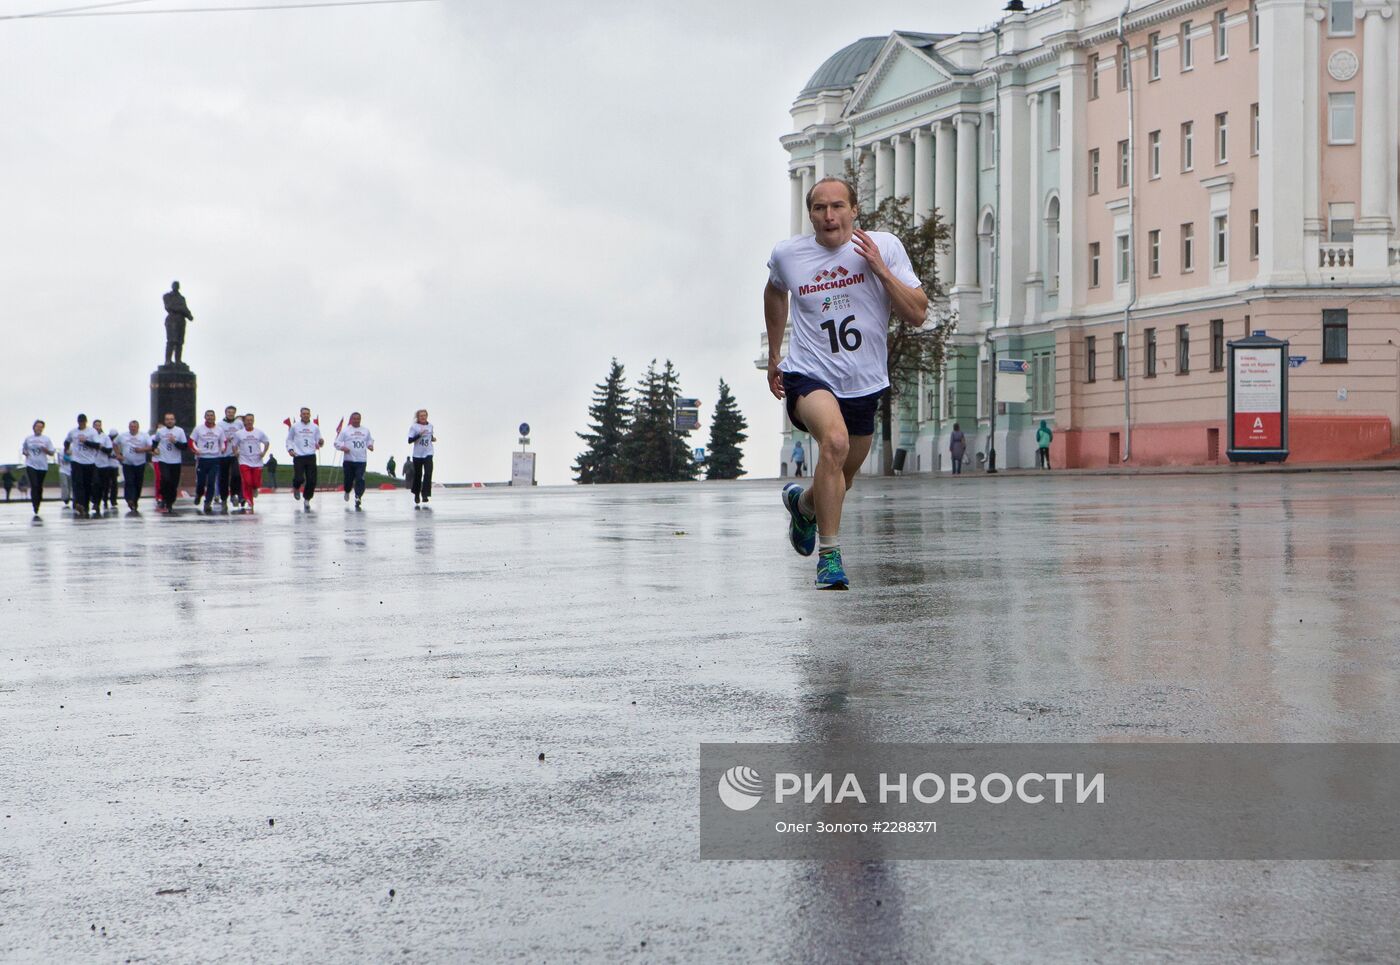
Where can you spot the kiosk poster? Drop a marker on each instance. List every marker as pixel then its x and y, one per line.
pixel 1258 398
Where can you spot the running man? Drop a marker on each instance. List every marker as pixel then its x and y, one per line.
pixel 209 444
pixel 230 486
pixel 303 439
pixel 357 443
pixel 843 284
pixel 420 478
pixel 170 441
pixel 133 445
pixel 81 446
pixel 36 450
pixel 252 445
pixel 104 468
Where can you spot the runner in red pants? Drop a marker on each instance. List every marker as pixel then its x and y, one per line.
pixel 252 447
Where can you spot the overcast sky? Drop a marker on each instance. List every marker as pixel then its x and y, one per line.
pixel 466 206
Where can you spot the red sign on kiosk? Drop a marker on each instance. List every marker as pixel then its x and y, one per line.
pixel 1258 400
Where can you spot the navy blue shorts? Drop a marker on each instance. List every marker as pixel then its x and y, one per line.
pixel 859 412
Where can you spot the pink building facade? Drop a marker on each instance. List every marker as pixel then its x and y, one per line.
pixel 1232 168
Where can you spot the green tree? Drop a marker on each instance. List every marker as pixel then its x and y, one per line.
pixel 653 451
pixel 724 459
pixel 611 416
pixel 911 349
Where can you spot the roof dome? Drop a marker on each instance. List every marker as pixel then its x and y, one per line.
pixel 843 67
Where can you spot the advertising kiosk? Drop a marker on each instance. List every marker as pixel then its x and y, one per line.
pixel 1258 399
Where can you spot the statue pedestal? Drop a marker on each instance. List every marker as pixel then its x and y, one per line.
pixel 173 390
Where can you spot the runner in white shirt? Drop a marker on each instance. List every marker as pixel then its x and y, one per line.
pixel 230 485
pixel 81 446
pixel 357 443
pixel 36 450
pixel 252 445
pixel 844 284
pixel 106 468
pixel 133 445
pixel 208 442
pixel 170 441
pixel 65 477
pixel 303 439
pixel 420 478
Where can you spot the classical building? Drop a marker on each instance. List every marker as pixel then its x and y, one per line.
pixel 1127 193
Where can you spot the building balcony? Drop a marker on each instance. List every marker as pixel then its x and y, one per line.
pixel 1333 255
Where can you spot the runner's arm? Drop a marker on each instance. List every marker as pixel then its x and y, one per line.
pixel 775 315
pixel 908 302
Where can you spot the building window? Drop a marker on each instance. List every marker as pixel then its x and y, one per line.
pixel 1183 349
pixel 1052 252
pixel 1043 384
pixel 986 249
pixel 1222 240
pixel 1054 120
pixel 1222 42
pixel 1334 335
pixel 1093 71
pixel 1124 65
pixel 989 139
pixel 1149 353
pixel 1122 164
pixel 1341 18
pixel 1120 358
pixel 1188 146
pixel 1341 118
pixel 1188 247
pixel 1188 59
pixel 1340 219
pixel 1124 248
pixel 1154 252
pixel 1091 359
pixel 1222 138
pixel 1254 129
pixel 1094 171
pixel 1217 344
pixel 1253 25
pixel 1253 234
pixel 1154 56
pixel 1154 154
pixel 1094 264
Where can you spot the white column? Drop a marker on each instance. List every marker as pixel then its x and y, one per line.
pixel 1035 278
pixel 884 171
pixel 1372 230
pixel 798 202
pixel 808 180
pixel 943 194
pixel 866 187
pixel 1074 149
pixel 965 249
pixel 1313 221
pixel 923 174
pixel 1013 214
pixel 903 167
pixel 1281 167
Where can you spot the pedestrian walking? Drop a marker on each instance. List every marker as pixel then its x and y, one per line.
pixel 252 445
pixel 390 468
pixel 957 448
pixel 1043 435
pixel 303 440
pixel 356 443
pixel 270 472
pixel 81 446
pixel 799 456
pixel 841 285
pixel 133 449
pixel 422 437
pixel 170 441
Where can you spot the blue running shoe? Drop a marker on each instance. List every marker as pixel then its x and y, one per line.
pixel 830 575
pixel 802 530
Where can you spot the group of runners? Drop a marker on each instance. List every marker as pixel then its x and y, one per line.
pixel 229 456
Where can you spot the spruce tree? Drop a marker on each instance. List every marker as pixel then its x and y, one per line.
pixel 724 460
pixel 653 451
pixel 610 413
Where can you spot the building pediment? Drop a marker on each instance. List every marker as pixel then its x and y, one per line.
pixel 907 64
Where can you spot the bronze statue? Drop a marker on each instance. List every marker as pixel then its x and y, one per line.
pixel 177 312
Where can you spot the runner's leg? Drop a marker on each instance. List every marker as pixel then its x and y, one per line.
pixel 821 413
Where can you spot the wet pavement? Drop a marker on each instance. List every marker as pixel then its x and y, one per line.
pixel 316 737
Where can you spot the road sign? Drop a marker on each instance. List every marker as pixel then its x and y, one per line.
pixel 687 420
pixel 687 403
pixel 699 454
pixel 1014 366
pixel 1296 360
pixel 1011 381
pixel 524 428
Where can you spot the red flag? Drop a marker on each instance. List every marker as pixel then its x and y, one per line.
pixel 317 420
pixel 340 425
pixel 287 422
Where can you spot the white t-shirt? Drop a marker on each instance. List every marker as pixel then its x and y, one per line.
pixel 229 429
pixel 302 438
pixel 208 441
pixel 840 310
pixel 169 444
pixel 250 444
pixel 83 455
pixel 356 442
pixel 127 444
pixel 422 439
pixel 35 450
pixel 104 458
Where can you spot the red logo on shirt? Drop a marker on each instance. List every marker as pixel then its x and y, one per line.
pixel 827 274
